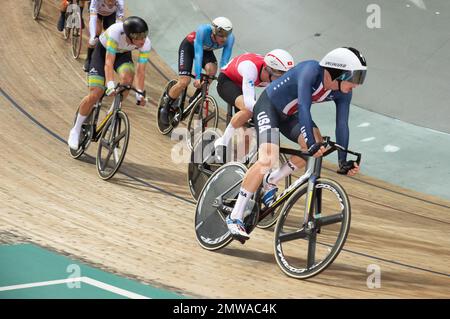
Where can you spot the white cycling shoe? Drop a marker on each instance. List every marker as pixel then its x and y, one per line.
pixel 236 228
pixel 74 139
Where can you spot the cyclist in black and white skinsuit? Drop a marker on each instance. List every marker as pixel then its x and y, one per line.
pixel 102 13
pixel 285 106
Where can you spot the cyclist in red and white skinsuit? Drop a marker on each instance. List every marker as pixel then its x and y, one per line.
pixel 236 86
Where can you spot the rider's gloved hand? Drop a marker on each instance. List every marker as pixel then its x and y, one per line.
pixel 140 98
pixel 317 150
pixel 93 41
pixel 349 168
pixel 110 88
pixel 197 84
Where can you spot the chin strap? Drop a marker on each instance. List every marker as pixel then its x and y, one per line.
pixel 340 81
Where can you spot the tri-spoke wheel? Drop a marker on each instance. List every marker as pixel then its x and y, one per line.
pixel 112 145
pixel 303 249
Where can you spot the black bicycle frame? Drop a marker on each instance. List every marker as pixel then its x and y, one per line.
pixel 201 95
pixel 117 103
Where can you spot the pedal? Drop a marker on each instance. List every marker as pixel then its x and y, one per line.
pixel 240 239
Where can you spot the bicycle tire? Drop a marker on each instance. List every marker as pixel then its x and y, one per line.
pixel 76 42
pixel 284 261
pixel 210 227
pixel 197 175
pixel 121 119
pixel 195 112
pixel 36 8
pixel 165 129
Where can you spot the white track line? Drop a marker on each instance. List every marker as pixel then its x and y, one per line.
pixel 87 280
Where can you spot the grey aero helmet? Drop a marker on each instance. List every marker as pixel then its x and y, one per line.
pixel 345 64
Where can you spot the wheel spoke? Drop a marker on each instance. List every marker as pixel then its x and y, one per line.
pixel 312 248
pixel 208 118
pixel 299 234
pixel 117 139
pixel 116 155
pixel 329 220
pixel 105 143
pixel 110 152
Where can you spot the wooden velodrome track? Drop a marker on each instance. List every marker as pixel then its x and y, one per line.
pixel 140 224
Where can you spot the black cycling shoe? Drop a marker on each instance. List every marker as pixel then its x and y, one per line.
pixel 86 65
pixel 165 109
pixel 164 116
pixel 60 25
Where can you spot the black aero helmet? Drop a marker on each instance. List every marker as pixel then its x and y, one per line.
pixel 135 28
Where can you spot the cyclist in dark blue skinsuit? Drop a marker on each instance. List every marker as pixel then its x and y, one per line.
pixel 285 106
pixel 198 46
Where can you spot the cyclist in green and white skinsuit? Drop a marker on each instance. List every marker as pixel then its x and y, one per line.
pixel 113 52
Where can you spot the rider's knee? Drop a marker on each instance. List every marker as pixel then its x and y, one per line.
pixel 126 78
pixel 267 160
pixel 184 81
pixel 211 68
pixel 126 73
pixel 297 161
pixel 247 114
pixel 95 93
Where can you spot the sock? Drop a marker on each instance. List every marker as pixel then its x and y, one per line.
pixel 241 203
pixel 287 169
pixel 79 122
pixel 227 135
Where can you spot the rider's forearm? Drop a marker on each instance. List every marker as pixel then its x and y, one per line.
pixel 140 77
pixel 109 67
pixel 92 26
pixel 248 91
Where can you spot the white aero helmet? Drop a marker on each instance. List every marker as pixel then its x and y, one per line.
pixel 279 60
pixel 345 64
pixel 222 26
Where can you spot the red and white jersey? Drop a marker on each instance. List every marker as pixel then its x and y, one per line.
pixel 244 70
pixel 247 65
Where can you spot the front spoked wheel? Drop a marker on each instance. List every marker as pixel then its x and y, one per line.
pixel 210 226
pixel 36 8
pixel 203 115
pixel 201 165
pixel 112 145
pixel 305 250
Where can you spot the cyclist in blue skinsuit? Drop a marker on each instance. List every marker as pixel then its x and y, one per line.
pixel 285 106
pixel 200 45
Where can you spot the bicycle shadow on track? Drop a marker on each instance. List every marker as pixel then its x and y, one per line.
pixel 157 176
pixel 154 173
pixel 348 273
